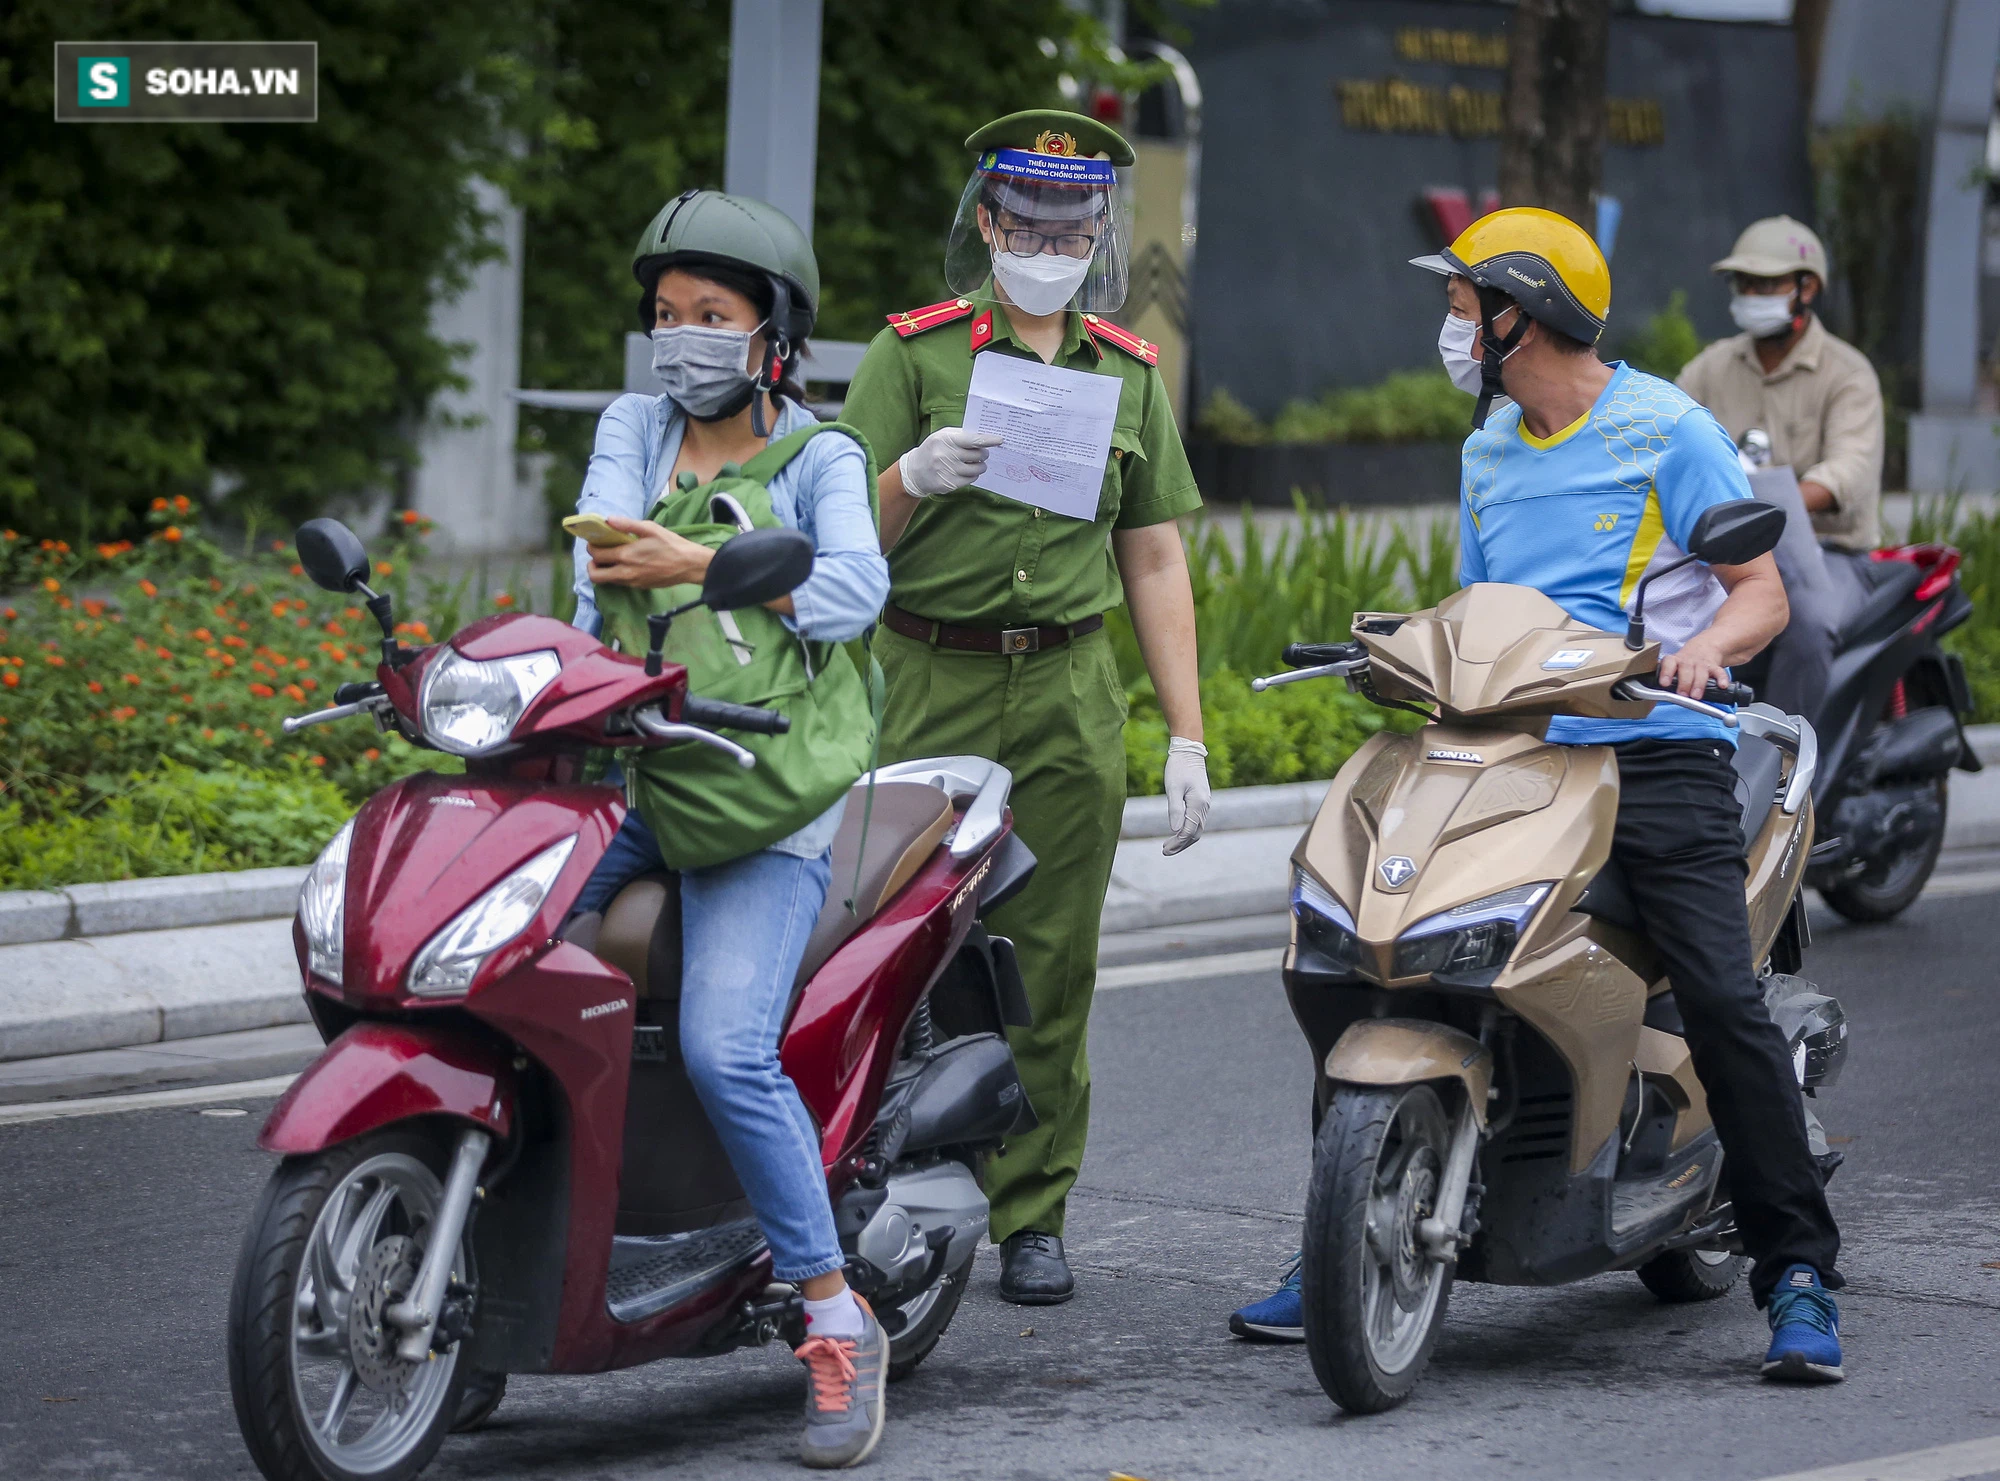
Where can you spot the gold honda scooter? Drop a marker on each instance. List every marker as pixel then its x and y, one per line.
pixel 1505 1093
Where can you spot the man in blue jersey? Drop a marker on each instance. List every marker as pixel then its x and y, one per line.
pixel 1592 475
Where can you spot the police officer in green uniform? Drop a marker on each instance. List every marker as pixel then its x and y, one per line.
pixel 995 643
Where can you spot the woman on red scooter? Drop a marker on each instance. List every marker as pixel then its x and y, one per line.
pixel 729 292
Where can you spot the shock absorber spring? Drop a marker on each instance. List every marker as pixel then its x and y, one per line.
pixel 920 1036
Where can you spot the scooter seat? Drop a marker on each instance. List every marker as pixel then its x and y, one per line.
pixel 1609 898
pixel 905 826
pixel 1758 765
pixel 1885 586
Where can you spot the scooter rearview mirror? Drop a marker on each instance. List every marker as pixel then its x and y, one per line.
pixel 755 567
pixel 332 555
pixel 1736 532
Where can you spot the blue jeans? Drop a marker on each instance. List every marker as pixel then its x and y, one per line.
pixel 744 926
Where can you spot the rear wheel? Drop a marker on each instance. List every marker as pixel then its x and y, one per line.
pixel 336 1240
pixel 1373 1297
pixel 483 1393
pixel 1891 886
pixel 1692 1275
pixel 923 1319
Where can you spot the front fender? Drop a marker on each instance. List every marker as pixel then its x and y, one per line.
pixel 378 1073
pixel 1406 1051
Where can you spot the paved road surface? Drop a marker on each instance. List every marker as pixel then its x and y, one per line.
pixel 118 1232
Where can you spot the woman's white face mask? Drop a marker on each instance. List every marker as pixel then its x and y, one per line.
pixel 1456 342
pixel 1040 284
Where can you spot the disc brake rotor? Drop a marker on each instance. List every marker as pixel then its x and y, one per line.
pixel 385 1277
pixel 1410 1263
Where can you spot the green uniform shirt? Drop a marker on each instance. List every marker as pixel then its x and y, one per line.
pixel 975 557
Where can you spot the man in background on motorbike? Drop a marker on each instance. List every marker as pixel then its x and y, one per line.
pixel 1819 401
pixel 730 288
pixel 1595 473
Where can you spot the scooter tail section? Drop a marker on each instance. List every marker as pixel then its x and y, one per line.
pixel 376 1074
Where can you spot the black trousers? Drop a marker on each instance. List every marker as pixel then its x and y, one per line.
pixel 1681 847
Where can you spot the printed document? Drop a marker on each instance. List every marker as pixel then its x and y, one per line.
pixel 1056 430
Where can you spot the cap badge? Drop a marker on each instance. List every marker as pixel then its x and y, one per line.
pixel 1049 141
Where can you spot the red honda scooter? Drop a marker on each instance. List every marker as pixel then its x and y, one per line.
pixel 499 1164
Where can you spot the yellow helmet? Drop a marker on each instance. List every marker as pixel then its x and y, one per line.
pixel 1544 262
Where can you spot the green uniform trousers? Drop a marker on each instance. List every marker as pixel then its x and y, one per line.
pixel 1055 719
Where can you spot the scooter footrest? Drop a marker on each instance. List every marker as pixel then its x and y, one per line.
pixel 649 1274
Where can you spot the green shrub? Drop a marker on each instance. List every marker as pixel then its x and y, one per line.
pixel 1977 539
pixel 1665 342
pixel 1410 406
pixel 176 820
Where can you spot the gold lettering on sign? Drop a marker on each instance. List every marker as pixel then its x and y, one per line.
pixel 1391 105
pixel 1453 48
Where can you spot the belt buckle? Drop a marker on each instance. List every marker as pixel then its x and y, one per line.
pixel 1020 639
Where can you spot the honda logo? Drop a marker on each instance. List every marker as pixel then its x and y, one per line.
pixel 1397 870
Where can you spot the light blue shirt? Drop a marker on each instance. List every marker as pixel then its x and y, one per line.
pixel 822 492
pixel 1583 516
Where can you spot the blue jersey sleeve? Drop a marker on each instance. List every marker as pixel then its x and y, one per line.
pixel 1698 469
pixel 1471 559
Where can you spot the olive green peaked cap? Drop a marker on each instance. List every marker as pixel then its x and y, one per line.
pixel 734 230
pixel 1036 129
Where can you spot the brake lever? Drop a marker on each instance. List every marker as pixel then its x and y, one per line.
pixel 1322 671
pixel 1633 689
pixel 650 723
pixel 293 724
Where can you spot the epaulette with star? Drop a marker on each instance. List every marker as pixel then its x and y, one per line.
pixel 916 321
pixel 1125 339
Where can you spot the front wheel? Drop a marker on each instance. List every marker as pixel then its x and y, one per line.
pixel 336 1240
pixel 1373 1297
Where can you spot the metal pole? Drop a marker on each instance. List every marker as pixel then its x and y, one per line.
pixel 773 135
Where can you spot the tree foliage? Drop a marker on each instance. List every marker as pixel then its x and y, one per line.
pixel 193 308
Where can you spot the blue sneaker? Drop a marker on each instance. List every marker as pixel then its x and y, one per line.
pixel 1805 1330
pixel 1279 1317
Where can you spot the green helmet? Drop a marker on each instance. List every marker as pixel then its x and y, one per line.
pixel 700 226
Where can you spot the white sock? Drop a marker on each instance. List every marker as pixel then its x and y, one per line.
pixel 836 1316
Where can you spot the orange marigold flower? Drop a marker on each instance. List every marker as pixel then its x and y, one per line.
pixel 65 603
pixel 49 583
pixel 302 622
pixel 11 679
pixel 317 760
pixel 62 547
pixel 163 653
pixel 348 612
pixel 171 534
pixel 94 687
pixel 158 505
pixel 277 547
pixel 173 719
pixel 181 504
pixel 371 754
pixel 297 569
pixel 207 733
pixel 56 660
pixel 211 653
pixel 230 640
pixel 131 678
pixel 148 588
pixel 301 663
pixel 263 691
pixel 93 608
pixel 9 613
pixel 214 585
pixel 106 552
pixel 203 634
pixel 504 600
pixel 296 693
pixel 384 568
pixel 309 683
pixel 228 661
pixel 336 629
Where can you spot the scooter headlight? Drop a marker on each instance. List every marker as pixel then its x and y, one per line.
pixel 470 706
pixel 1478 936
pixel 453 957
pixel 1324 924
pixel 321 905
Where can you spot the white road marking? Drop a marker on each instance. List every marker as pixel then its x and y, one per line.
pixel 1226 964
pixel 1940 1463
pixel 1980 882
pixel 149 1100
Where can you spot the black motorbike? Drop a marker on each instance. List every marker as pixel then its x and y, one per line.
pixel 1891 730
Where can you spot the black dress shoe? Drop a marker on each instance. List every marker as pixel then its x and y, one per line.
pixel 1033 1271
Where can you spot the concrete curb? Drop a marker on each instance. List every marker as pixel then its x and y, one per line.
pixel 147 904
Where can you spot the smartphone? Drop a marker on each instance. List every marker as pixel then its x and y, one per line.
pixel 592 530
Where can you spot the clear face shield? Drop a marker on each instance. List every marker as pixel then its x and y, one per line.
pixel 1046 228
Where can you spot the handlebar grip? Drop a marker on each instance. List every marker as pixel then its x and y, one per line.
pixel 1729 694
pixel 348 694
pixel 719 714
pixel 1311 655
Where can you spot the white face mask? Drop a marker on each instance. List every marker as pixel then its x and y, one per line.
pixel 1761 315
pixel 1040 284
pixel 1455 344
pixel 704 369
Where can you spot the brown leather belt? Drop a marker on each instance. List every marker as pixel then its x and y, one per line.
pixel 1008 640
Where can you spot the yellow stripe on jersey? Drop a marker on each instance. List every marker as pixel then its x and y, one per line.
pixel 1543 444
pixel 1645 540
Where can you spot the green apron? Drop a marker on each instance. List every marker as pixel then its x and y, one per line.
pixel 700 804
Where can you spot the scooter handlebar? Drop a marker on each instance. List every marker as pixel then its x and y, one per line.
pixel 719 714
pixel 1313 655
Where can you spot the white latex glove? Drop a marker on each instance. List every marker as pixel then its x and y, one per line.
pixel 1187 792
pixel 948 459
